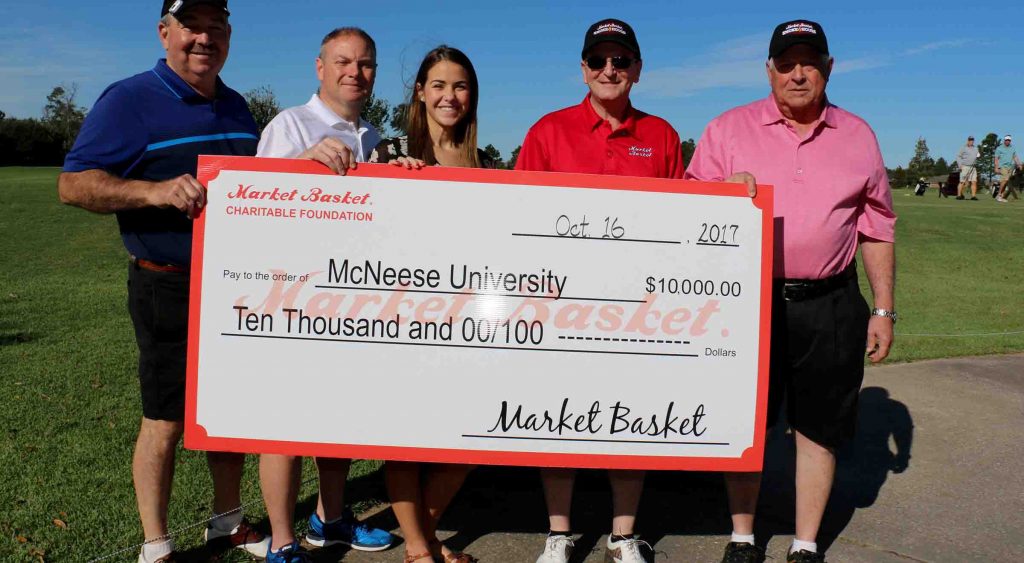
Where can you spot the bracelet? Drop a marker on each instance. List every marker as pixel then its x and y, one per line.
pixel 884 313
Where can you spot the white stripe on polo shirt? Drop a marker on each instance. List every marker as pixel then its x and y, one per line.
pixel 298 128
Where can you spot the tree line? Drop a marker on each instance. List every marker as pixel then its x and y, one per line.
pixel 45 141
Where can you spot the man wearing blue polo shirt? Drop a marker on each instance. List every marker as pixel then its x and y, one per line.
pixel 1006 164
pixel 136 157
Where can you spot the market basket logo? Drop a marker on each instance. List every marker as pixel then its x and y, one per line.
pixel 312 195
pixel 800 28
pixel 644 152
pixel 610 27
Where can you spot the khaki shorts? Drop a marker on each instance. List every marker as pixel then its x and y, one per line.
pixel 968 173
pixel 1006 173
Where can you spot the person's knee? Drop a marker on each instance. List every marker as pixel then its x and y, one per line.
pixel 742 477
pixel 161 432
pixel 807 446
pixel 278 463
pixel 619 477
pixel 557 476
pixel 225 458
pixel 332 463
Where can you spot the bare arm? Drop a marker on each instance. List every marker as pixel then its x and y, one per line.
pixel 101 192
pixel 880 266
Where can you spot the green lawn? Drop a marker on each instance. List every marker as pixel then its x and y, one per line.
pixel 70 402
pixel 959 271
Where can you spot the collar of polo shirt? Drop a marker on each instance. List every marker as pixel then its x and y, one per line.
pixel 177 85
pixel 772 115
pixel 336 121
pixel 629 125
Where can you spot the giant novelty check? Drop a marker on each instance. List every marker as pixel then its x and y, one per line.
pixel 479 316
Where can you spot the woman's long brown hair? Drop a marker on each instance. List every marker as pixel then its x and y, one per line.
pixel 420 144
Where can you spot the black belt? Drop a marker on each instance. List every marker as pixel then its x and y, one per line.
pixel 158 267
pixel 802 290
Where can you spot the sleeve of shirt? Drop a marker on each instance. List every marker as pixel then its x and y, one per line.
pixel 675 157
pixel 877 220
pixel 531 155
pixel 276 141
pixel 112 138
pixel 709 159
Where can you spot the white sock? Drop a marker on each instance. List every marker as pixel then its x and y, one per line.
pixel 153 551
pixel 227 522
pixel 740 538
pixel 799 545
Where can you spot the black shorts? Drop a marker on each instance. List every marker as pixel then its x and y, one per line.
pixel 817 363
pixel 158 305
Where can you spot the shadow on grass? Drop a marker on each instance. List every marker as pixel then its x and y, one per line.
pixel 510 499
pixel 9 339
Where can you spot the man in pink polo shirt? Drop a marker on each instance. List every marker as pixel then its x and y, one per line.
pixel 831 197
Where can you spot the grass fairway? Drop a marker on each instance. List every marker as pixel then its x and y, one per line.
pixel 959 272
pixel 70 405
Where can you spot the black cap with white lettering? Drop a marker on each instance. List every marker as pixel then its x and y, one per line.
pixel 614 31
pixel 175 7
pixel 797 32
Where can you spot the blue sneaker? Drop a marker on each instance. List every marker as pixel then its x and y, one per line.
pixel 291 553
pixel 347 531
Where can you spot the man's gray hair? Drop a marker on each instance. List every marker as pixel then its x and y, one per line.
pixel 347 31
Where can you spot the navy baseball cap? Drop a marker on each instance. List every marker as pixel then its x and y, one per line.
pixel 611 30
pixel 797 32
pixel 175 7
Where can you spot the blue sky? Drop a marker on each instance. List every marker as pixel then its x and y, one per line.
pixel 941 69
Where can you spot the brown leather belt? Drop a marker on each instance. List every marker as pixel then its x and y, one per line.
pixel 802 290
pixel 158 267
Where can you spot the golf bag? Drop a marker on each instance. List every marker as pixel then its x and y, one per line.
pixel 950 187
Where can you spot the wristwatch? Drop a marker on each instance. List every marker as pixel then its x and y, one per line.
pixel 884 313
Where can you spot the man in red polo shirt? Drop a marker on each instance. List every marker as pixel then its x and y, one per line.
pixel 604 134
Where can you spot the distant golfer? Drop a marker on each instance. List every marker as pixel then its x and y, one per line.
pixel 1006 163
pixel 136 157
pixel 966 159
pixel 831 198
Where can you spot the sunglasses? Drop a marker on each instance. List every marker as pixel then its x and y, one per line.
pixel 618 63
pixel 787 66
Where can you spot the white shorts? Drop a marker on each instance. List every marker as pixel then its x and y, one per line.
pixel 968 173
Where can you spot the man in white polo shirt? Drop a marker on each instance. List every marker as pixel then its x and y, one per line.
pixel 327 129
